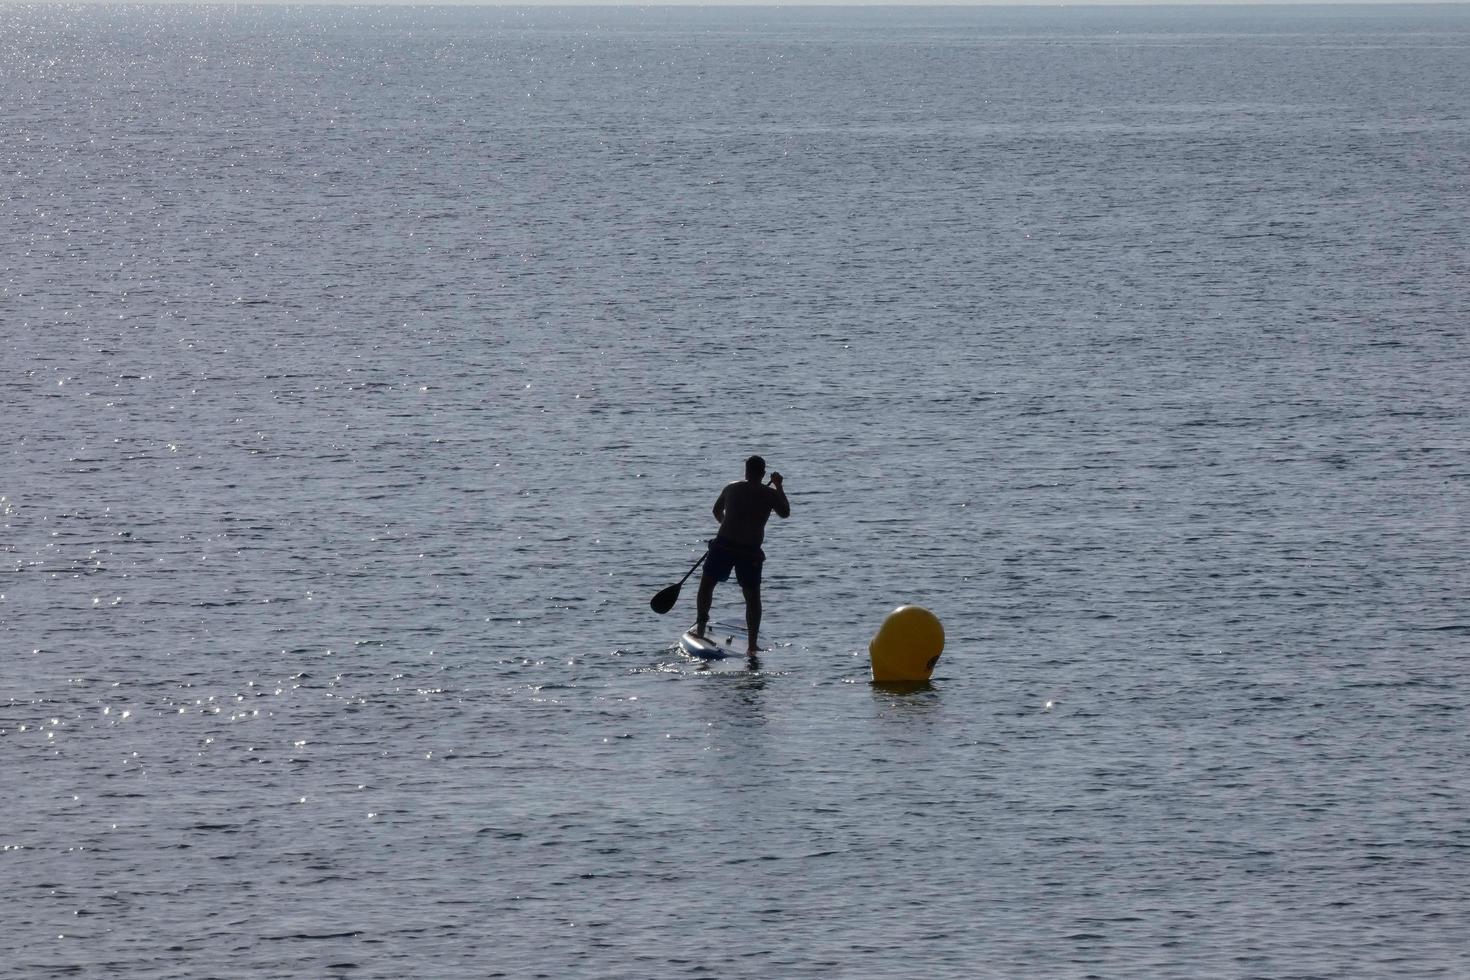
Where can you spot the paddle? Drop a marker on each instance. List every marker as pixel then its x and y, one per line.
pixel 665 600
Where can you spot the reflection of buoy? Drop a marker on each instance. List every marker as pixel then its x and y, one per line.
pixel 907 646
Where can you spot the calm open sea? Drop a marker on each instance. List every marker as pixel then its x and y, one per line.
pixel 366 370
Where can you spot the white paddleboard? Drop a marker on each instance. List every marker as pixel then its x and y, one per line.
pixel 720 640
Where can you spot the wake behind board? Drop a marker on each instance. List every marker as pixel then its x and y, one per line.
pixel 720 640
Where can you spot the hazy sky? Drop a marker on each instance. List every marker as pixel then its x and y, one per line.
pixel 774 3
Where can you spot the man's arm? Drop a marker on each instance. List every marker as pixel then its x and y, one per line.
pixel 719 508
pixel 781 506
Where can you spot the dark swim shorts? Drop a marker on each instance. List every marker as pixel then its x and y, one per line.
pixel 724 556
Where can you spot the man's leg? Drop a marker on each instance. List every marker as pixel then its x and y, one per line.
pixel 752 612
pixel 702 602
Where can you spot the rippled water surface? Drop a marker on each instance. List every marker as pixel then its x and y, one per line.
pixel 367 370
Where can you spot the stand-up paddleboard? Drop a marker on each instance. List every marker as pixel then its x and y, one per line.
pixel 720 640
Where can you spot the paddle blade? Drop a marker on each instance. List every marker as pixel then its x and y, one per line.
pixel 665 600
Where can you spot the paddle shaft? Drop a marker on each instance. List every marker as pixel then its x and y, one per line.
pixel 691 569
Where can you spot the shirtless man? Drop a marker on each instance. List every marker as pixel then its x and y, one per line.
pixel 742 510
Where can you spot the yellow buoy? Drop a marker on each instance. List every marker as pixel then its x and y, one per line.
pixel 907 646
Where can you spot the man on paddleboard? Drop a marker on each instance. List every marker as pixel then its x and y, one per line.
pixel 742 510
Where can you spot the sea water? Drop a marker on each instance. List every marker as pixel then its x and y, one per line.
pixel 366 371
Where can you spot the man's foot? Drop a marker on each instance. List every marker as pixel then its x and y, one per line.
pixel 698 630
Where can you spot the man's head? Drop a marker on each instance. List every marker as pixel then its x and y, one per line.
pixel 755 468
